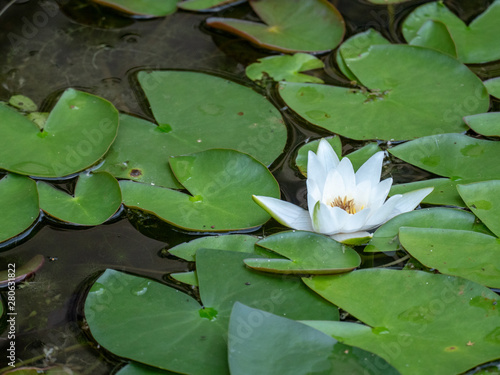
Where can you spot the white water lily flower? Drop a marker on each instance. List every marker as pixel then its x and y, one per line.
pixel 342 203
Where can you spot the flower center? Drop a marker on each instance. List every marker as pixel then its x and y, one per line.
pixel 346 204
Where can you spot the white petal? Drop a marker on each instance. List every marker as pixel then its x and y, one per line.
pixel 371 169
pixel 383 214
pixel 346 170
pixel 285 213
pixel 334 186
pixel 356 222
pixel 362 195
pixel 315 169
pixel 327 220
pixel 379 193
pixel 410 200
pixel 327 155
pixel 342 237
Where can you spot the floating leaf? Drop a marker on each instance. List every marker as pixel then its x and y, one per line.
pixel 476 42
pixel 289 25
pixel 386 238
pixel 97 197
pixel 452 155
pixel 50 370
pixel 201 112
pixel 483 198
pixel 18 205
pixel 221 184
pixel 384 2
pixel 206 5
pixel 471 255
pixel 23 103
pixel 424 89
pixel 170 330
pixel 307 253
pixel 189 277
pixel 134 368
pixel 493 87
pixel 444 193
pixel 356 46
pixel 78 132
pixel 285 68
pixel 19 273
pixel 142 8
pixel 435 35
pixel 236 242
pixel 415 320
pixel 487 124
pixel 278 345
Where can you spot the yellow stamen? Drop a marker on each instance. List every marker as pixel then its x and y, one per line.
pixel 345 204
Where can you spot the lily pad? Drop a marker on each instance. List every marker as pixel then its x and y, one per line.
pixel 188 277
pixel 285 68
pixel 384 2
pixel 142 8
pixel 452 155
pixel 424 89
pixel 487 124
pixel 493 87
pixel 386 237
pixel 307 253
pixel 195 112
pixel 416 320
pixel 23 103
pixel 357 158
pixel 444 193
pixel 289 25
pixel 206 5
pixel 435 35
pixel 134 368
pixel 471 255
pixel 97 197
pixel 173 331
pixel 78 132
pixel 356 46
pixel 21 272
pixel 277 345
pixel 236 242
pixel 476 42
pixel 220 185
pixel 18 205
pixel 483 198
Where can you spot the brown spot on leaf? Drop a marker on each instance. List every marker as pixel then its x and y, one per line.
pixel 135 173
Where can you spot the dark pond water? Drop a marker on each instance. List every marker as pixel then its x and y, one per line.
pixel 48 46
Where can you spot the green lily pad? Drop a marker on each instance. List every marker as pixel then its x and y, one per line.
pixel 188 277
pixel 386 237
pixel 357 157
pixel 493 87
pixel 278 345
pixel 18 205
pixel 285 68
pixel 137 369
pixel 444 193
pixel 415 320
pixel 23 103
pixel 356 46
pixel 21 271
pixel 50 370
pixel 142 8
pixel 483 198
pixel 206 5
pixel 307 253
pixel 38 118
pixel 476 42
pixel 220 185
pixel 97 197
pixel 201 112
pixel 471 255
pixel 452 155
pixel 424 89
pixel 487 124
pixel 237 242
pixel 435 35
pixel 170 330
pixel 78 132
pixel 387 2
pixel 289 25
